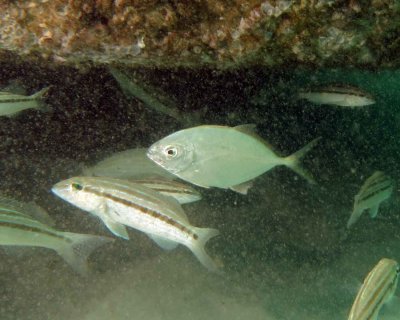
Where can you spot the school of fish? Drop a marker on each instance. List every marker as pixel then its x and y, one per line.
pixel 138 188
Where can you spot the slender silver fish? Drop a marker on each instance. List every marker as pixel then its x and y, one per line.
pixel 153 98
pixel 119 203
pixel 131 163
pixel 378 288
pixel 11 104
pixel 338 95
pixel 376 188
pixel 220 156
pixel 19 228
pixel 179 191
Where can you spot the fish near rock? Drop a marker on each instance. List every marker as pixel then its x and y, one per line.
pixel 376 189
pixel 11 104
pixel 19 227
pixel 119 203
pixel 221 156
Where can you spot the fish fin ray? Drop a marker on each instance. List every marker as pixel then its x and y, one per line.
pixel 293 161
pixel 242 188
pixel 355 215
pixel 77 252
pixel 373 211
pixel 205 234
pixel 163 243
pixel 115 227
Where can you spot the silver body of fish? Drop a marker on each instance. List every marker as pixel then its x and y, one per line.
pixel 131 163
pixel 18 227
pixel 376 189
pixel 378 288
pixel 221 156
pixel 11 104
pixel 181 192
pixel 119 203
pixel 343 96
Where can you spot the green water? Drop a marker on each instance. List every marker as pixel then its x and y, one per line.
pixel 285 248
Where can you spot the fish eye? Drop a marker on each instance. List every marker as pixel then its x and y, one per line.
pixel 171 152
pixel 77 186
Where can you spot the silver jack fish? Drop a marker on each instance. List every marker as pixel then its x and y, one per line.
pixel 131 163
pixel 11 104
pixel 18 227
pixel 378 288
pixel 220 156
pixel 179 191
pixel 119 203
pixel 375 189
pixel 337 95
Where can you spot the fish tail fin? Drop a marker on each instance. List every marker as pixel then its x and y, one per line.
pixel 198 247
pixel 78 249
pixel 38 96
pixel 355 215
pixel 293 161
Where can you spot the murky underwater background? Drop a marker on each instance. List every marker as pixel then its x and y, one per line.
pixel 285 248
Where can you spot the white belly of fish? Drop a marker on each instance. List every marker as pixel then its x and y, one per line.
pixel 151 222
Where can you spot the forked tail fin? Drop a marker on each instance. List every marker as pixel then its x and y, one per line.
pixel 38 96
pixel 79 249
pixel 294 161
pixel 198 248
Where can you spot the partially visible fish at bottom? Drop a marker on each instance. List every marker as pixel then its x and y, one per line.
pixel 378 288
pixel 19 228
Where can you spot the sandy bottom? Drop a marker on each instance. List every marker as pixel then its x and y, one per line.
pixel 173 285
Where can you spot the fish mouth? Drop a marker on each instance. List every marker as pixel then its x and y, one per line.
pixel 60 188
pixel 154 155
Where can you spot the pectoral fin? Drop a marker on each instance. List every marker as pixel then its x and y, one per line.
pixel 163 243
pixel 116 228
pixel 373 211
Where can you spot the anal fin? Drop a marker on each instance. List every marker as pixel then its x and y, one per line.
pixel 163 243
pixel 242 188
pixel 373 211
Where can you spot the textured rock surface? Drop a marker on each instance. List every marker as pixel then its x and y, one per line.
pixel 217 33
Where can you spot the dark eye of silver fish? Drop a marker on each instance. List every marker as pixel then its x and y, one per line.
pixel 171 152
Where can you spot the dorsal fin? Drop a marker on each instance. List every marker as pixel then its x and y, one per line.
pixel 249 129
pixel 30 209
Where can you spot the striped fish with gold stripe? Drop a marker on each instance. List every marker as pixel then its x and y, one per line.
pixel 18 227
pixel 376 189
pixel 119 203
pixel 378 288
pixel 183 193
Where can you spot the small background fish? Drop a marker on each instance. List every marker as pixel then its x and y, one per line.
pixel 376 189
pixel 11 103
pixel 338 95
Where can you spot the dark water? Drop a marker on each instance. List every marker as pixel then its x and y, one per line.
pixel 284 246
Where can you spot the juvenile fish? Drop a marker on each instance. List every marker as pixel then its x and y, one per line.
pixel 19 228
pixel 220 156
pixel 119 203
pixel 375 190
pixel 343 96
pixel 11 104
pixel 131 163
pixel 378 288
pixel 179 191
